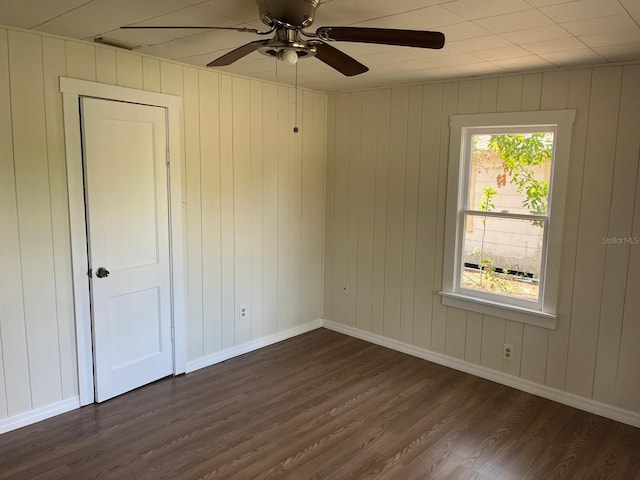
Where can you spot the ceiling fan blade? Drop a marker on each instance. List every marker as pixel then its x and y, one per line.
pixel 237 54
pixel 178 27
pixel 339 60
pixel 386 36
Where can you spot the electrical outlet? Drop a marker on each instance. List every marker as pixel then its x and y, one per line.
pixel 345 289
pixel 243 312
pixel 507 352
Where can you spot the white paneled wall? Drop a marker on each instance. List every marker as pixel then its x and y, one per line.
pixel 254 194
pixel 387 154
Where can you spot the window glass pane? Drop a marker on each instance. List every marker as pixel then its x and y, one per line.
pixel 510 172
pixel 502 256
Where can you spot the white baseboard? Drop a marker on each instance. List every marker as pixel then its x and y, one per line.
pixel 42 413
pixel 586 404
pixel 251 346
pixel 581 403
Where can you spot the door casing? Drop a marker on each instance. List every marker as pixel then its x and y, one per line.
pixel 72 90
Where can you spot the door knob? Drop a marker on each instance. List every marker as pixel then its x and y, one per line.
pixel 102 272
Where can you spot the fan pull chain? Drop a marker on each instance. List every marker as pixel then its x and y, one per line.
pixel 295 126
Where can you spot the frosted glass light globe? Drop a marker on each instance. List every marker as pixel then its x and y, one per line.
pixel 289 56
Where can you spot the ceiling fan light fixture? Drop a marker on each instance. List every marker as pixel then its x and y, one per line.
pixel 288 56
pixel 287 19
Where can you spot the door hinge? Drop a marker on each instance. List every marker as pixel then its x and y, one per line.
pixel 168 157
pixel 90 273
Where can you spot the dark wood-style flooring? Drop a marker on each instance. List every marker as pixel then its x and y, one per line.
pixel 323 406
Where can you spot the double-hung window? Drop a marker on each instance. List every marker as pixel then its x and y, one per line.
pixel 505 207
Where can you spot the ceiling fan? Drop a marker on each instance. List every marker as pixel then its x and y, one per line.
pixel 286 19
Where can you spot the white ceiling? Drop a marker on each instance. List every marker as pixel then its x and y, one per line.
pixel 482 36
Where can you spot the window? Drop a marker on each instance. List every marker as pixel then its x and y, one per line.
pixel 505 203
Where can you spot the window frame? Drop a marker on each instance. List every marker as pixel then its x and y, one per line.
pixel 543 312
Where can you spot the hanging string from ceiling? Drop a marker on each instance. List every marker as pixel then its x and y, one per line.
pixel 295 124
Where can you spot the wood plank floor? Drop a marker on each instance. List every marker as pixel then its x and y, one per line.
pixel 323 406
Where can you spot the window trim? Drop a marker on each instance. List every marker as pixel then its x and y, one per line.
pixel 543 312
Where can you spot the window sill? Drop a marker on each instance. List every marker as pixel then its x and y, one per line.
pixel 500 310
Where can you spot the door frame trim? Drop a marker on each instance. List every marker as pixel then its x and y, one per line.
pixel 72 91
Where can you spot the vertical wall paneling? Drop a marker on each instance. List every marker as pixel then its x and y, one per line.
pixel 242 206
pixel 456 333
pixel 591 351
pixel 81 60
pixel 150 74
pixel 227 252
pixel 627 390
pixel 318 152
pixel 513 336
pixel 54 66
pixel 469 97
pixel 509 93
pixel 307 203
pixel 171 79
pixel 295 210
pixel 439 318
pixel 493 332
pixel 509 96
pixel 300 165
pixel 623 195
pixel 3 393
pixel 366 200
pixel 353 189
pixel 410 223
pixel 572 89
pixel 209 132
pixel 380 211
pixel 15 389
pixel 284 199
pixel 594 212
pixel 395 211
pixel 555 90
pixel 34 216
pixel 313 141
pixel 488 94
pixel 329 208
pixel 106 70
pixel 172 82
pixel 270 207
pixel 432 96
pixel 473 343
pixel 256 209
pixel 531 92
pixel 533 353
pixel 251 190
pixel 340 213
pixel 129 70
pixel 194 213
pixel 535 342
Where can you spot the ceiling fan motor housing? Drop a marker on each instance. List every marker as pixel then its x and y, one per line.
pixel 287 13
pixel 287 20
pixel 287 40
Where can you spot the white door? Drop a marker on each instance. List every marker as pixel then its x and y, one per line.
pixel 125 152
